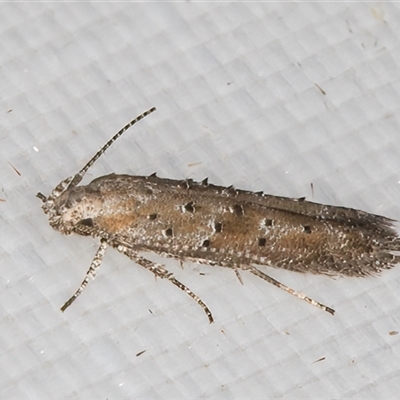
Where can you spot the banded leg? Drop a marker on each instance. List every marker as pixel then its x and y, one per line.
pixel 301 296
pixel 238 275
pixel 90 274
pixel 160 271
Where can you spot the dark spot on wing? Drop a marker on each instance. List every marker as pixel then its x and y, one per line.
pixel 262 241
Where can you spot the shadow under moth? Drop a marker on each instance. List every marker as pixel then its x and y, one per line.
pixel 217 225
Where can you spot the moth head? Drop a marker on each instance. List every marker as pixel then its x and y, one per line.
pixel 68 206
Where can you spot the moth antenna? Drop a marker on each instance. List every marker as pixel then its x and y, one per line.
pixel 79 176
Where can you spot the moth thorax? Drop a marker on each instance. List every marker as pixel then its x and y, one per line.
pixel 77 204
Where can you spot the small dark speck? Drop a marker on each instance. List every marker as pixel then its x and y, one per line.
pixel 238 210
pixel 393 333
pixel 15 169
pixel 206 243
pixel 307 229
pixel 269 222
pixel 262 241
pixel 218 227
pixel 140 353
pixel 152 217
pixel 319 87
pixel 189 207
pixel 230 190
pixel 189 183
pixel 169 232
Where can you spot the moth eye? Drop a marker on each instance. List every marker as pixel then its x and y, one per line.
pixel 206 243
pixel 262 241
pixel 218 227
pixel 307 229
pixel 152 217
pixel 169 232
pixel 237 209
pixel 86 222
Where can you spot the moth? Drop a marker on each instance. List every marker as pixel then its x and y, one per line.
pixel 220 226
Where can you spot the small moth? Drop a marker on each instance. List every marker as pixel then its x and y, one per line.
pixel 217 225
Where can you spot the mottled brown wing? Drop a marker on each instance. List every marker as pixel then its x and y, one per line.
pixel 185 219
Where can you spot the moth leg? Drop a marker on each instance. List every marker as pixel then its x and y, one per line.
pixel 301 296
pixel 238 275
pixel 90 274
pixel 160 271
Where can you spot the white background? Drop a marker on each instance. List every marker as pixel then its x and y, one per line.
pixel 237 88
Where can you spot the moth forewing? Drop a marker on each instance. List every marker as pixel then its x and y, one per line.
pixel 222 226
